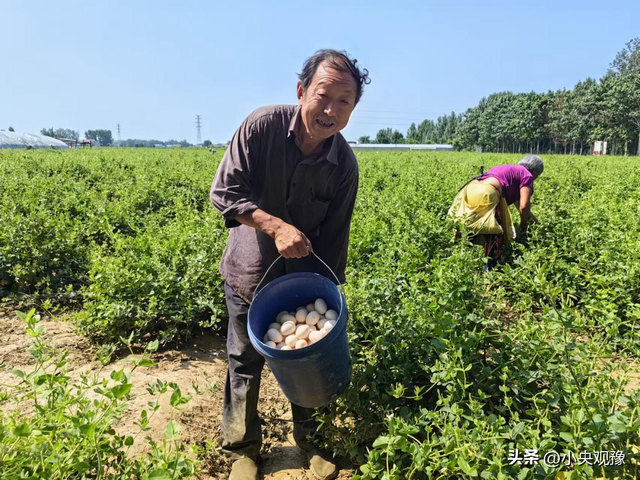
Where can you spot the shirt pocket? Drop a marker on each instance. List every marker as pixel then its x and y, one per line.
pixel 307 211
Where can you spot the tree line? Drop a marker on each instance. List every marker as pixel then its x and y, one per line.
pixel 428 131
pixel 564 121
pixel 105 137
pixel 135 142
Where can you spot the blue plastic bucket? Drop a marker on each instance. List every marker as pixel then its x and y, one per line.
pixel 316 375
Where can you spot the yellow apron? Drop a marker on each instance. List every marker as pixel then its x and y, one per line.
pixel 476 203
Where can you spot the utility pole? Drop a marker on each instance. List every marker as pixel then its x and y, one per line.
pixel 198 125
pixel 119 141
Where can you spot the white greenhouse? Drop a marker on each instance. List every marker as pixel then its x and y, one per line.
pixel 24 141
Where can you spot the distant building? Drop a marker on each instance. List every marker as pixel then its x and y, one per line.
pixel 89 142
pixel 600 148
pixel 402 146
pixel 69 141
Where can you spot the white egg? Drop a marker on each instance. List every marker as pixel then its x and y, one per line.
pixel 287 318
pixel 286 347
pixel 288 328
pixel 321 323
pixel 275 326
pixel 270 344
pixel 331 314
pixel 291 340
pixel 321 306
pixel 315 336
pixel 301 344
pixel 329 325
pixel 301 315
pixel 313 328
pixel 280 315
pixel 312 318
pixel 302 331
pixel 265 339
pixel 274 335
pixel 310 307
pixel 280 345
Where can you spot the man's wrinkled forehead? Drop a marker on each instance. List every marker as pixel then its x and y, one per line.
pixel 327 74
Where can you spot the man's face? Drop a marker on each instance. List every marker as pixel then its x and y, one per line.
pixel 328 102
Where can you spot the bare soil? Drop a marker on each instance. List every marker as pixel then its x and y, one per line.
pixel 199 365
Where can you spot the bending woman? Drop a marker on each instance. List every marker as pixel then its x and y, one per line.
pixel 483 204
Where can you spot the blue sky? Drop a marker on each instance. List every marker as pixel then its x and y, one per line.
pixel 152 66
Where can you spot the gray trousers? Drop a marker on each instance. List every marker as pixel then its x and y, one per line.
pixel 241 433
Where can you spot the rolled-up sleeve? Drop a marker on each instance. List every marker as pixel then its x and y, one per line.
pixel 231 189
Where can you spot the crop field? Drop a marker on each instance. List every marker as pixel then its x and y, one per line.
pixel 456 373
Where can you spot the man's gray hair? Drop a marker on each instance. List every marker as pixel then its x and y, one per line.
pixel 533 163
pixel 341 62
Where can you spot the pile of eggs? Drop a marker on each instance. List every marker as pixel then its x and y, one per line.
pixel 309 324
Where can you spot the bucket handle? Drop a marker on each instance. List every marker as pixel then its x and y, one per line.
pixel 279 257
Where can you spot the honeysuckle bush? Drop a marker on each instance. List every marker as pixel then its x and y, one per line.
pixel 158 284
pixel 452 368
pixel 52 426
pixel 586 250
pixel 125 237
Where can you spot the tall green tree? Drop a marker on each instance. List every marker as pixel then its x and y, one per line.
pixel 61 133
pixel 397 137
pixel 449 130
pixel 623 95
pixel 11 129
pixel 586 104
pixel 427 131
pixel 624 99
pixel 627 60
pixel 103 136
pixel 384 135
pixel 364 139
pixel 412 134
pixel 467 136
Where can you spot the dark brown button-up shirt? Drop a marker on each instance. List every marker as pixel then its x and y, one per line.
pixel 264 168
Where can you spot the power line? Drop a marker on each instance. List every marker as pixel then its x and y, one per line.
pixel 382 123
pixel 397 111
pixel 386 118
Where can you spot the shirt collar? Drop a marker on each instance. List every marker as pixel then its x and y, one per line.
pixel 330 147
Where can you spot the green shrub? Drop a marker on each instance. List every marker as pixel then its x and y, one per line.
pixel 159 284
pixel 452 368
pixel 54 427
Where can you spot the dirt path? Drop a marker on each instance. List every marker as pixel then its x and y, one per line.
pixel 198 366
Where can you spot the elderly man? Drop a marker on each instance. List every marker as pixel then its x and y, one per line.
pixel 286 186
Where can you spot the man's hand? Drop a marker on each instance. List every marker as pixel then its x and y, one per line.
pixel 291 242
